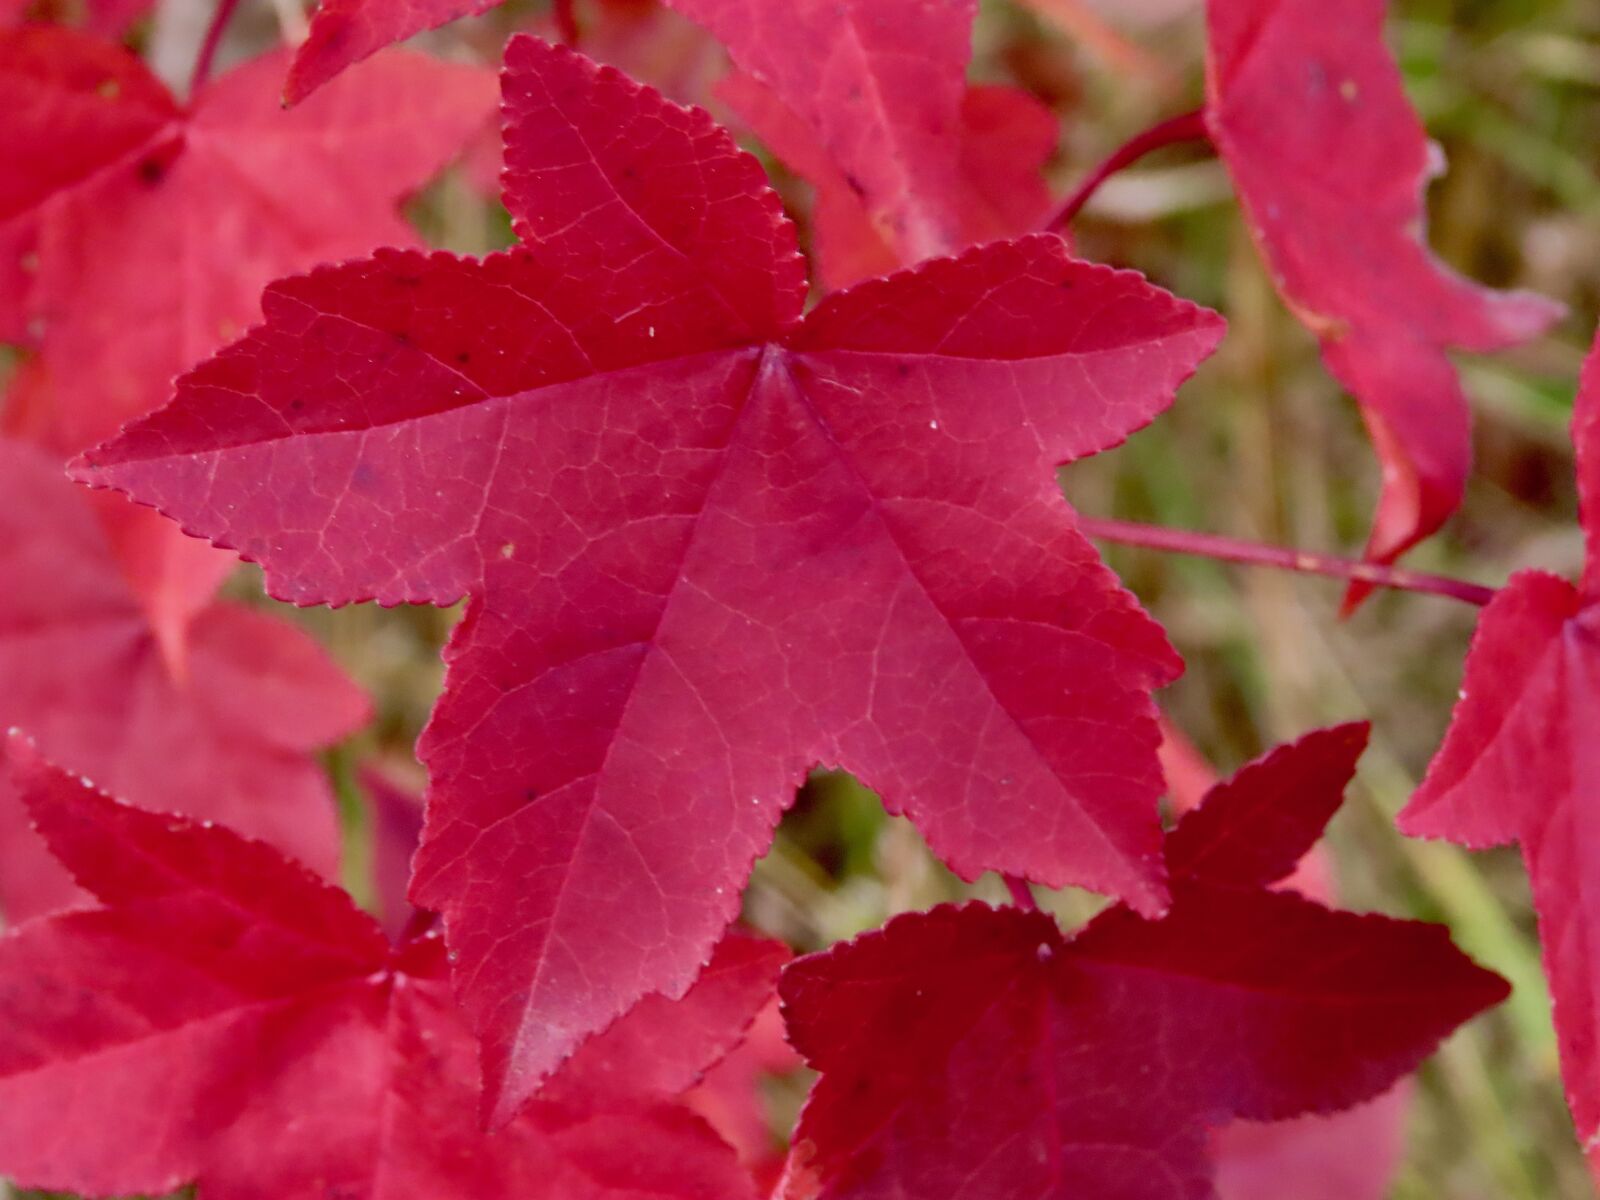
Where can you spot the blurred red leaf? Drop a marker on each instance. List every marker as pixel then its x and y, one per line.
pixel 344 32
pixel 977 1046
pixel 1005 136
pixel 1516 765
pixel 651 482
pixel 730 1096
pixel 1330 163
pixel 868 99
pixel 147 231
pixel 224 1017
pixel 396 828
pixel 216 716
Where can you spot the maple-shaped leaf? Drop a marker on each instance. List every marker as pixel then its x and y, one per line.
pixel 868 99
pixel 146 231
pixel 224 1017
pixel 709 544
pixel 977 1051
pixel 1516 765
pixel 1330 163
pixel 216 716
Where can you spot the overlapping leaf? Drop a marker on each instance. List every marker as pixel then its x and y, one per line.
pixel 1330 163
pixel 994 188
pixel 976 1051
pixel 709 544
pixel 139 235
pixel 1521 763
pixel 216 716
pixel 223 1017
pixel 868 100
pixel 344 32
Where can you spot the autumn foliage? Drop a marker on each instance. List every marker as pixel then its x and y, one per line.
pixel 729 490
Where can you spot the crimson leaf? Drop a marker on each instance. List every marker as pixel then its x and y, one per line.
pixel 976 1051
pixel 225 1017
pixel 709 543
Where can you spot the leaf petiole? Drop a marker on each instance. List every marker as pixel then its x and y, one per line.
pixel 208 47
pixel 1188 127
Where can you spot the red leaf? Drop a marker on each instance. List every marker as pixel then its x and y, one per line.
pixel 652 481
pixel 343 32
pixel 730 1096
pixel 1351 1155
pixel 225 1017
pixel 1005 138
pixel 216 717
pixel 1244 832
pixel 395 816
pixel 1330 163
pixel 978 1047
pixel 235 190
pixel 868 99
pixel 1516 764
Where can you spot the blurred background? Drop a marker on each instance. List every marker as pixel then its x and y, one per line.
pixel 1260 445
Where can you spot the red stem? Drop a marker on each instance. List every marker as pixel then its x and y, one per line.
pixel 1021 893
pixel 208 48
pixel 1189 127
pixel 1209 545
pixel 567 22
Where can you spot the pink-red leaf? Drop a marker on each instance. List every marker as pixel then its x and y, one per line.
pixel 709 544
pixel 217 719
pixel 975 1051
pixel 343 32
pixel 868 99
pixel 394 815
pixel 1330 163
pixel 223 1017
pixel 1520 763
pixel 1005 137
pixel 233 189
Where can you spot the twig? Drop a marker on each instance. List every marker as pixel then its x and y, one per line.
pixel 1225 549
